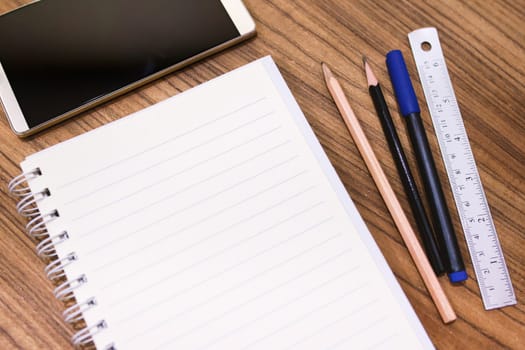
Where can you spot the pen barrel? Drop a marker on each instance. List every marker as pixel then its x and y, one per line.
pixel 416 204
pixel 441 217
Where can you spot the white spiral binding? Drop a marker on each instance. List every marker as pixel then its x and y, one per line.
pixel 55 270
pixel 15 185
pixel 37 227
pixel 64 292
pixel 46 247
pixel 74 313
pixel 85 336
pixel 27 205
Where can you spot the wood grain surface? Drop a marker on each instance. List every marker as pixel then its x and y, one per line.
pixel 483 42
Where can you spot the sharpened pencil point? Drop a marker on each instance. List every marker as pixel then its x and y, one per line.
pixel 370 77
pixel 326 71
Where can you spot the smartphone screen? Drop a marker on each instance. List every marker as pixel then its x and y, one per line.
pixel 61 54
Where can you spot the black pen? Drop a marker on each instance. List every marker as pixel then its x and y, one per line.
pixel 406 98
pixel 418 210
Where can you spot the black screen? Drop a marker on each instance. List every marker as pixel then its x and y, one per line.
pixel 61 54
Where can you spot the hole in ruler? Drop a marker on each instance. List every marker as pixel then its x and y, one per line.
pixel 426 46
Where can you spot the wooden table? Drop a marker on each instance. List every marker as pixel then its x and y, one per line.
pixel 483 42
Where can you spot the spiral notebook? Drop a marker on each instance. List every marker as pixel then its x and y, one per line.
pixel 211 220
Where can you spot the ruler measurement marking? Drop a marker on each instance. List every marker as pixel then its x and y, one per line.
pixel 471 203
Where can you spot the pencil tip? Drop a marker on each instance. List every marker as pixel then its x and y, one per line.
pixel 326 71
pixel 370 77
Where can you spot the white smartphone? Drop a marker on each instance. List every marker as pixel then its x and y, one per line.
pixel 61 57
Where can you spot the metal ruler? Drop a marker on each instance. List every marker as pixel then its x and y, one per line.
pixel 482 239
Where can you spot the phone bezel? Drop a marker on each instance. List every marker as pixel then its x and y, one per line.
pixel 236 10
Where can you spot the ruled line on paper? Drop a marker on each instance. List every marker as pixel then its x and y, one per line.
pixel 146 150
pixel 256 297
pixel 193 245
pixel 272 311
pixel 181 153
pixel 171 195
pixel 355 332
pixel 383 341
pixel 302 317
pixel 231 289
pixel 353 313
pixel 171 176
pixel 295 321
pixel 222 251
pixel 172 234
pixel 170 215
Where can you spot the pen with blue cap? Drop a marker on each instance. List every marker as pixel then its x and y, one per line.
pixel 409 107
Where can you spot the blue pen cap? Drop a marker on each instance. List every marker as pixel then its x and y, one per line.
pixel 406 97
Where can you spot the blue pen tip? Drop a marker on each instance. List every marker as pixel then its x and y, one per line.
pixel 458 276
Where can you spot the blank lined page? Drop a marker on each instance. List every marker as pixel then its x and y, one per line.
pixel 213 220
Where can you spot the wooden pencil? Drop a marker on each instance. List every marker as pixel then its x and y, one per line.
pixel 403 225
